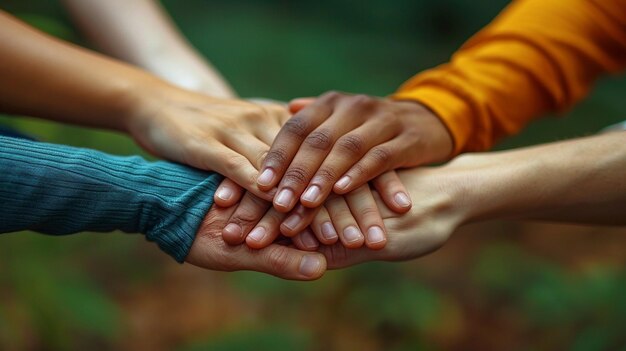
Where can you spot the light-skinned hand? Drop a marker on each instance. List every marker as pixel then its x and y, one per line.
pixel 227 136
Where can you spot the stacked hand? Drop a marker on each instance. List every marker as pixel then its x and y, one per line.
pixel 340 142
pixel 347 227
pixel 227 136
pixel 423 229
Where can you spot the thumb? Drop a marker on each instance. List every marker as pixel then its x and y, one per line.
pixel 298 104
pixel 285 262
pixel 393 192
pixel 228 193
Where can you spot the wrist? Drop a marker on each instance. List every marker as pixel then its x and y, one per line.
pixel 438 144
pixel 472 182
pixel 497 184
pixel 144 96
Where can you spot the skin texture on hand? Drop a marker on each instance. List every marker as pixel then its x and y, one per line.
pixel 227 136
pixel 579 181
pixel 339 142
pixel 480 187
pixel 211 252
pixel 425 228
pixel 354 221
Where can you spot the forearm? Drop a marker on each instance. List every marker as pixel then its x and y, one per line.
pixel 43 77
pixel 580 180
pixel 538 56
pixel 140 32
pixel 58 190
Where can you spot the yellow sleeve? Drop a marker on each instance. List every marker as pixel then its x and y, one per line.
pixel 537 56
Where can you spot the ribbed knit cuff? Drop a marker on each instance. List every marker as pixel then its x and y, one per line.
pixel 452 110
pixel 56 189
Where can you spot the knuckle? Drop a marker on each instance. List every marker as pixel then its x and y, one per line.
pixel 234 163
pixel 382 155
pixel 245 215
pixel 278 259
pixel 254 112
pixel 338 255
pixel 326 175
pixel 361 100
pixel 343 212
pixel 249 213
pixel 276 112
pixel 351 144
pixel 296 175
pixel 369 211
pixel 319 139
pixel 358 170
pixel 331 95
pixel 276 157
pixel 296 126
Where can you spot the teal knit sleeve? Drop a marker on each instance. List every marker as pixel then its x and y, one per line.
pixel 56 189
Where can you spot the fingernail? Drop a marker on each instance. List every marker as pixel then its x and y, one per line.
pixel 328 231
pixel 284 198
pixel 308 240
pixel 292 221
pixel 343 182
pixel 375 234
pixel 266 177
pixel 257 234
pixel 312 193
pixel 352 234
pixel 402 199
pixel 310 265
pixel 234 229
pixel 225 193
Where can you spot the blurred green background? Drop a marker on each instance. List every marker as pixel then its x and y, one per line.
pixel 494 286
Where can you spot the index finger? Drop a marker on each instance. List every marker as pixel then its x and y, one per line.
pixel 289 139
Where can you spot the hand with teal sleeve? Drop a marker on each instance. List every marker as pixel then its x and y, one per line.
pixel 56 189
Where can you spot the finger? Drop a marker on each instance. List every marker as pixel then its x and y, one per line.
pixel 279 112
pixel 210 251
pixel 285 262
pixel 365 211
pixel 234 166
pixel 268 134
pixel 306 240
pixel 298 220
pixel 253 149
pixel 298 104
pixel 289 139
pixel 322 227
pixel 339 256
pixel 378 160
pixel 393 192
pixel 246 216
pixel 228 193
pixel 344 222
pixel 346 152
pixel 266 230
pixel 352 142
